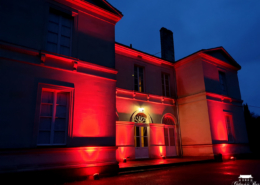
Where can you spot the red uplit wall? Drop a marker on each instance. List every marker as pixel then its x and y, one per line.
pixel 228 150
pixel 125 79
pixel 88 71
pixel 77 157
pixel 125 140
pixel 217 120
pixel 218 110
pixel 125 133
pixel 93 105
pixel 157 134
pixel 157 148
pixel 94 102
pixel 190 79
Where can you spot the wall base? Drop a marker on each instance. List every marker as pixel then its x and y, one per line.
pixel 58 163
pixel 59 175
pixel 197 150
pixel 229 150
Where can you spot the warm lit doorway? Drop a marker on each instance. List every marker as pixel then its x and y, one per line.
pixel 141 136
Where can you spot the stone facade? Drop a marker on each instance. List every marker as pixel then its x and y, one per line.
pixel 73 98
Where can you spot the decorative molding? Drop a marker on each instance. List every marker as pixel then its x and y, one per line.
pixel 121 49
pixel 125 146
pixel 197 145
pixel 172 116
pixel 223 98
pixel 18 48
pixel 156 125
pixel 75 65
pixel 56 68
pixel 216 61
pixel 207 96
pixel 43 58
pixel 45 55
pixel 133 95
pixel 94 9
pixel 191 98
pixel 124 123
pixel 85 64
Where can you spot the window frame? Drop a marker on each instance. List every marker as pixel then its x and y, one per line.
pixel 223 86
pixel 141 139
pixel 68 130
pixel 230 127
pixel 163 81
pixel 169 139
pixel 169 124
pixel 73 14
pixel 143 80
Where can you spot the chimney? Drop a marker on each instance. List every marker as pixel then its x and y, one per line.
pixel 167 47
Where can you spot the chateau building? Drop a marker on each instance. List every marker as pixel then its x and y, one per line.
pixel 73 98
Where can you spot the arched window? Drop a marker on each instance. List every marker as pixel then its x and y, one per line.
pixel 141 132
pixel 169 131
pixel 140 118
pixel 168 120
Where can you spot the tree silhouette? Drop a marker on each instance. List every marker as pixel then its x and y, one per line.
pixel 253 125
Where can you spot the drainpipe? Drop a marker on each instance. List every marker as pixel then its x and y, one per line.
pixel 178 118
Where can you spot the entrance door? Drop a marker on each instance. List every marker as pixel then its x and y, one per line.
pixel 170 141
pixel 141 142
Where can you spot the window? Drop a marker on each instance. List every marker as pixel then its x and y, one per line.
pixel 141 137
pixel 167 120
pixel 54 116
pixel 59 33
pixel 169 137
pixel 223 84
pixel 169 131
pixel 139 79
pixel 166 84
pixel 229 128
pixel 140 118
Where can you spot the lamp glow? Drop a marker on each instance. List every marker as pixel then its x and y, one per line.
pixel 141 109
pixel 232 158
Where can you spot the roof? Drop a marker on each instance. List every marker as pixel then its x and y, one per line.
pixel 131 51
pixel 142 52
pixel 219 53
pixel 106 6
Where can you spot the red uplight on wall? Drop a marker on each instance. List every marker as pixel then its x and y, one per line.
pixel 161 150
pixel 221 131
pixel 90 154
pixel 223 148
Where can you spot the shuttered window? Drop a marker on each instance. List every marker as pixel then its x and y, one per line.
pixel 59 36
pixel 139 79
pixel 166 85
pixel 223 83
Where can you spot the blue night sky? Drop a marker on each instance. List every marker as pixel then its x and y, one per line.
pixel 198 24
